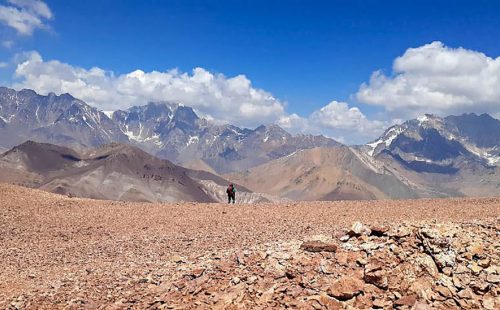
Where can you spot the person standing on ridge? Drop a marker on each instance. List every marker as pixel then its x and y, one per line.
pixel 231 193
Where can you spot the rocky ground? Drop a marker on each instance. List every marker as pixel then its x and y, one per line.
pixel 59 252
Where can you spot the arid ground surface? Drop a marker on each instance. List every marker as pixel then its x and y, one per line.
pixel 57 252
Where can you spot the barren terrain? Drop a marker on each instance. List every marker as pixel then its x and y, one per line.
pixel 58 252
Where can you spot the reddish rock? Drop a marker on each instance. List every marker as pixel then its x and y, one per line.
pixel 358 229
pixel 408 300
pixel 198 272
pixel 318 246
pixel 379 230
pixel 326 301
pixel 346 288
pixel 363 301
pixel 374 274
pixel 444 291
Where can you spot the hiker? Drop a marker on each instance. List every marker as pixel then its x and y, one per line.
pixel 231 193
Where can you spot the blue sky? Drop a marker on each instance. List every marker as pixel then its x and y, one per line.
pixel 306 54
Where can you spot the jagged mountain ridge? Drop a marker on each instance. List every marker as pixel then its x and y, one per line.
pixel 167 130
pixel 441 157
pixel 63 120
pixel 174 131
pixel 431 143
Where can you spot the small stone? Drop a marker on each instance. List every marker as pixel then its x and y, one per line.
pixel 476 251
pixel 361 261
pixel 326 301
pixel 448 271
pixel 475 268
pixel 421 305
pixel 318 246
pixel 485 263
pixel 493 278
pixel 466 294
pixel 489 303
pixel 378 230
pixel 235 280
pixel 196 273
pixel 461 280
pixel 344 238
pixel 358 229
pixel 327 267
pixel 374 274
pixel 240 258
pixel 408 301
pixel 346 288
pixel 251 280
pixel 443 291
pixel 267 295
pixel 461 269
pixel 381 304
pixel 480 287
pixel 177 259
pixel 363 301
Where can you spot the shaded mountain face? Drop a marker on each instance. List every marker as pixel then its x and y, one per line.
pixel 441 145
pixel 167 130
pixel 115 172
pixel 480 130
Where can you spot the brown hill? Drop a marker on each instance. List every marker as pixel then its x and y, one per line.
pixel 335 173
pixel 114 171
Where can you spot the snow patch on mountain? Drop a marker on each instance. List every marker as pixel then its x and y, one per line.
pixel 386 139
pixel 9 119
pixel 108 113
pixel 192 140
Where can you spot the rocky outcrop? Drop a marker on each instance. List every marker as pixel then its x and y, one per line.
pixel 404 266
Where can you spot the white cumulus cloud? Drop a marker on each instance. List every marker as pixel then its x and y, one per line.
pixel 213 95
pixel 438 79
pixel 230 99
pixel 337 120
pixel 338 115
pixel 25 15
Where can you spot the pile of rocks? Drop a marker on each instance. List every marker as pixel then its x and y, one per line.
pixel 417 266
pixel 404 266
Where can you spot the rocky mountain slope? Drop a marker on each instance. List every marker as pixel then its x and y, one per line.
pixel 115 172
pixel 435 144
pixel 175 132
pixel 451 156
pixel 59 252
pixel 323 174
pixel 63 120
pixel 166 130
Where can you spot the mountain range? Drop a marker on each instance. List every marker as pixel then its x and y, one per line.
pixel 167 130
pixel 426 157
